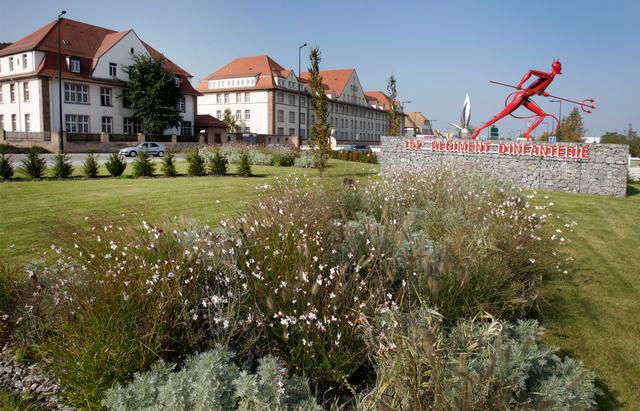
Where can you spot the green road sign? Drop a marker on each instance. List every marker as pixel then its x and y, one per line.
pixel 494 131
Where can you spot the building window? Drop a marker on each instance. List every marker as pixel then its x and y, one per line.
pixel 125 100
pixel 280 98
pixel 12 93
pixel 218 98
pixel 76 93
pixel 113 69
pixel 210 84
pixel 281 115
pixel 177 80
pixel 27 122
pixel 303 102
pixel 247 114
pixel 14 122
pixel 226 97
pixel 74 123
pixel 74 65
pixel 219 115
pixel 246 97
pixel 292 131
pixel 10 63
pixel 292 117
pixel 292 99
pixel 182 107
pixel 105 96
pixel 25 91
pixel 107 125
pixel 303 118
pixel 132 126
pixel 280 131
pixel 185 128
pixel 24 61
pixel 302 133
pixel 238 97
pixel 313 119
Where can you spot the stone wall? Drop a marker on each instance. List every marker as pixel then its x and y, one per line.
pixel 603 171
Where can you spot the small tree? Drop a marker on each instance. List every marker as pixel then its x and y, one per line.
pixel 394 114
pixel 230 121
pixel 143 166
pixel 34 166
pixel 320 128
pixel 244 168
pixel 217 164
pixel 153 94
pixel 90 166
pixel 115 164
pixel 62 167
pixel 6 167
pixel 168 165
pixel 196 163
pixel 572 128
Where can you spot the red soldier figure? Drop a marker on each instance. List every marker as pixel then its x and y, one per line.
pixel 523 98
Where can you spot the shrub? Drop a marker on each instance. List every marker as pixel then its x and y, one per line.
pixel 196 163
pixel 244 168
pixel 143 166
pixel 304 161
pixel 475 366
pixel 260 157
pixel 10 286
pixel 284 159
pixel 6 167
pixel 210 381
pixel 118 298
pixel 62 167
pixel 217 164
pixel 34 166
pixel 115 164
pixel 90 166
pixel 168 165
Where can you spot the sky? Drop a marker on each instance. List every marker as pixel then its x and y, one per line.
pixel 438 50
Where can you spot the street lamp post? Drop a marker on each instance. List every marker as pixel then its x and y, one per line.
pixel 300 91
pixel 60 140
pixel 559 112
pixel 402 107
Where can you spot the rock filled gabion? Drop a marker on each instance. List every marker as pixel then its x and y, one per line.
pixel 27 379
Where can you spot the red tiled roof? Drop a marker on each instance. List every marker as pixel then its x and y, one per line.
pixel 379 99
pixel 263 67
pixel 206 120
pixel 86 41
pixel 333 80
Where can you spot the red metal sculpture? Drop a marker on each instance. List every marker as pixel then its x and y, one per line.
pixel 523 98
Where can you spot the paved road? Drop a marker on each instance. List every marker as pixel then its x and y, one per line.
pixel 78 158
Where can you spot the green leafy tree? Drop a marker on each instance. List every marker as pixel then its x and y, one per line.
pixel 90 166
pixel 394 114
pixel 244 168
pixel 168 165
pixel 320 132
pixel 153 94
pixel 572 128
pixel 143 166
pixel 230 121
pixel 115 164
pixel 611 137
pixel 62 167
pixel 6 167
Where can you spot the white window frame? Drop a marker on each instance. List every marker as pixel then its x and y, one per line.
pixel 12 93
pixel 11 64
pixel 247 99
pixel 131 126
pixel 14 122
pixel 182 105
pixel 238 114
pixel 27 122
pixel 24 61
pixel 76 93
pixel 219 114
pixel 218 98
pixel 107 124
pixel 280 116
pixel 74 64
pixel 105 96
pixel 247 114
pixel 292 117
pixel 76 123
pixel 25 92
pixel 226 97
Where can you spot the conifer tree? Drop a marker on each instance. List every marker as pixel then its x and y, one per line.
pixel 320 128
pixel 394 114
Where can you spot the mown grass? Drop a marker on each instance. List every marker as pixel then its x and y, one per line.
pixel 31 210
pixel 593 311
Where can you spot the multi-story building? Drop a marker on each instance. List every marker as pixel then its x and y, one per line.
pixel 266 98
pixel 93 65
pixel 416 123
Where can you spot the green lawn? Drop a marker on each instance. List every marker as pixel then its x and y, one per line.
pixel 591 312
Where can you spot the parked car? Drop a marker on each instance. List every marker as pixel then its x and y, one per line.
pixel 155 149
pixel 357 148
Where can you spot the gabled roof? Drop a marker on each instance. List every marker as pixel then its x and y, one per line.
pixel 86 41
pixel 333 80
pixel 379 99
pixel 207 120
pixel 414 119
pixel 264 68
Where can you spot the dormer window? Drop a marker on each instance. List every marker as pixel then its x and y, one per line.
pixel 177 80
pixel 24 61
pixel 74 64
pixel 10 63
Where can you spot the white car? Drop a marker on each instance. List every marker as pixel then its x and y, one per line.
pixel 155 149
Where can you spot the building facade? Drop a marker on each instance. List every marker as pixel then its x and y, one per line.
pixel 93 65
pixel 265 98
pixel 416 123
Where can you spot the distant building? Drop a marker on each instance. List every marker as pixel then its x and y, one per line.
pixel 592 140
pixel 416 123
pixel 264 98
pixel 93 60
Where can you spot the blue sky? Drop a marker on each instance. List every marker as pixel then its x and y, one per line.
pixel 438 50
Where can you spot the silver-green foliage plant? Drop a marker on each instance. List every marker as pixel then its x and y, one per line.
pixel 210 381
pixel 420 365
pixel 304 161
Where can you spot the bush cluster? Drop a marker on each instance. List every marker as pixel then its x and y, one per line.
pixel 263 156
pixel 217 164
pixel 354 156
pixel 311 274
